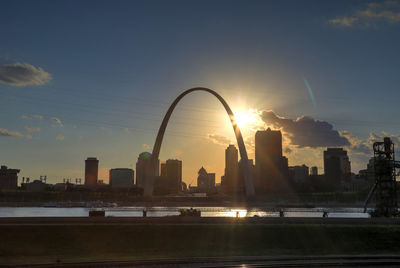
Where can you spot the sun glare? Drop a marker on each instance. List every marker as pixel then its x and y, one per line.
pixel 245 119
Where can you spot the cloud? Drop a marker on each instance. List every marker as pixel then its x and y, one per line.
pixel 305 131
pixel 146 146
pixel 37 116
pixel 357 145
pixel 343 21
pixel 23 74
pixel 58 121
pixel 219 139
pixel 33 116
pixel 13 134
pixel 387 11
pixel 32 129
pixel 60 137
pixel 360 146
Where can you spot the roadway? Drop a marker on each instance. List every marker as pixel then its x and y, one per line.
pixel 242 261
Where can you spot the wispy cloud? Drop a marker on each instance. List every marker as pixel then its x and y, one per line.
pixel 58 121
pixel 369 14
pixel 146 146
pixel 33 116
pixel 23 74
pixel 219 139
pixel 37 116
pixel 60 137
pixel 32 129
pixel 13 134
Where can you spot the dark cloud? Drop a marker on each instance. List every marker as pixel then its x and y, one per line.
pixel 23 74
pixel 13 134
pixel 306 131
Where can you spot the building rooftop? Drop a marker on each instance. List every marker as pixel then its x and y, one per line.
pixel 145 155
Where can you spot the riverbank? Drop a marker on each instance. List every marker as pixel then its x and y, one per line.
pixel 31 240
pixel 178 220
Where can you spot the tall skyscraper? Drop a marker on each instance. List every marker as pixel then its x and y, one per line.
pixel 173 173
pixel 230 179
pixel 142 164
pixel 336 166
pixel 91 171
pixel 271 166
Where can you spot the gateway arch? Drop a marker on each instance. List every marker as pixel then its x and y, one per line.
pixel 157 145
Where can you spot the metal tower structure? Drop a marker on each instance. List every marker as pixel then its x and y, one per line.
pixel 385 187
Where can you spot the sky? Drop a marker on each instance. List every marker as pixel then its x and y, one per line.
pixel 85 79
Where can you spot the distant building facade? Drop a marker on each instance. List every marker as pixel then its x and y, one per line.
pixel 337 166
pixel 314 171
pixel 36 186
pixel 8 178
pixel 241 183
pixel 205 181
pixel 122 178
pixel 271 165
pixel 91 171
pixel 299 174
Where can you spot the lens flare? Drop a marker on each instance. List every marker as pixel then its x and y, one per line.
pixel 310 92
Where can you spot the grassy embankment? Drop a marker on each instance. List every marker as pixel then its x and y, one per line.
pixel 69 243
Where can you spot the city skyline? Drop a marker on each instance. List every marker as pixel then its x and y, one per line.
pixel 108 98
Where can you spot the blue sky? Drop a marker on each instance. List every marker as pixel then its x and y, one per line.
pixel 109 69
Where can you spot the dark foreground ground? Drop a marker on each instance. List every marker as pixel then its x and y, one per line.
pixel 82 239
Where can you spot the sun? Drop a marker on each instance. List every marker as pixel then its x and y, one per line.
pixel 245 119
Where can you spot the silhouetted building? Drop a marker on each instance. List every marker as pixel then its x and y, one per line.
pixel 163 170
pixel 336 166
pixel 299 174
pixel 230 181
pixel 36 186
pixel 369 172
pixel 91 171
pixel 173 173
pixel 271 166
pixel 8 178
pixel 314 171
pixel 122 178
pixel 170 181
pixel 205 181
pixel 146 174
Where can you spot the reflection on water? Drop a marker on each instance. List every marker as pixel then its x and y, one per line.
pixel 170 211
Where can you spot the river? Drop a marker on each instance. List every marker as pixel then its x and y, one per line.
pixel 170 211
